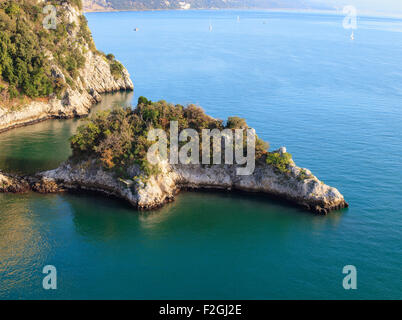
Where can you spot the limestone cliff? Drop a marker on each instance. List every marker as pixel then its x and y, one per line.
pixel 74 90
pixel 309 193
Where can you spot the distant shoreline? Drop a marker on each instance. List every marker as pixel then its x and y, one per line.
pixel 215 9
pixel 284 10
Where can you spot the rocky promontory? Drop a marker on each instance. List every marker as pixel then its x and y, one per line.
pixel 309 193
pixel 56 71
pixel 111 156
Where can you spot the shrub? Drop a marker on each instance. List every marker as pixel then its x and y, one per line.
pixel 23 41
pixel 279 161
pixel 116 69
pixel 12 9
pixel 118 138
pixel 110 57
pixel 13 92
pixel 143 100
pixel 236 123
pixel 85 33
pixel 303 175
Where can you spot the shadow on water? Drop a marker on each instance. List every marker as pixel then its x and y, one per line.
pixel 44 145
pixel 108 218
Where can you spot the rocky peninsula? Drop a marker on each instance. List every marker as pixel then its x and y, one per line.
pixel 53 70
pixel 57 72
pixel 310 193
pixel 109 157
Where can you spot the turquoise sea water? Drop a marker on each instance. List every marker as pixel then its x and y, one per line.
pixel 300 82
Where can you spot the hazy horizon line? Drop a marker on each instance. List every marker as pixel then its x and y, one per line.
pixel 334 11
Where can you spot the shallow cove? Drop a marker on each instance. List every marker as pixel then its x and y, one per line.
pixel 336 121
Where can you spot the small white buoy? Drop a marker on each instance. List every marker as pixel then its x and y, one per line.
pixel 352 36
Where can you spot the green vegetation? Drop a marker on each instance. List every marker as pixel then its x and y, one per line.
pixel 116 69
pixel 84 34
pixel 24 65
pixel 279 161
pixel 303 175
pixel 118 138
pixel 236 123
pixel 22 62
pixel 31 56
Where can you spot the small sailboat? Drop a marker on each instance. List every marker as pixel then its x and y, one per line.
pixel 210 27
pixel 352 36
pixel 238 18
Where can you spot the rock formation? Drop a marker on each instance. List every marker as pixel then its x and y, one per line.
pixel 13 184
pixel 145 190
pixel 94 78
pixel 309 193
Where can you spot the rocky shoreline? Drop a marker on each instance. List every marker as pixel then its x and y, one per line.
pixel 27 121
pixel 310 193
pixel 74 103
pixel 295 184
pixel 94 79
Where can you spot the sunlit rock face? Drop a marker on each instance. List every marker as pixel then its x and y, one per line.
pixel 13 184
pixel 92 80
pixel 309 193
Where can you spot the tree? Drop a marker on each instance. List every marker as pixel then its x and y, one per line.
pixel 236 123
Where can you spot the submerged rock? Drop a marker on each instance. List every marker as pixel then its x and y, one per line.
pixel 13 184
pixel 44 185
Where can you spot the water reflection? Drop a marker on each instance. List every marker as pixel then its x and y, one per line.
pixel 100 218
pixel 154 218
pixel 105 234
pixel 110 100
pixel 24 243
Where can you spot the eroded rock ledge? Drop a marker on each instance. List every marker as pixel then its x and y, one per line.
pixel 309 193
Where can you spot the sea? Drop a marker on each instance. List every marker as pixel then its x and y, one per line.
pixel 301 82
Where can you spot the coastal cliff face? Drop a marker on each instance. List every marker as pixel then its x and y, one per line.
pixel 310 193
pixel 77 89
pixel 112 154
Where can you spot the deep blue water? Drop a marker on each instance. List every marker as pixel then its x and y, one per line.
pixel 301 82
